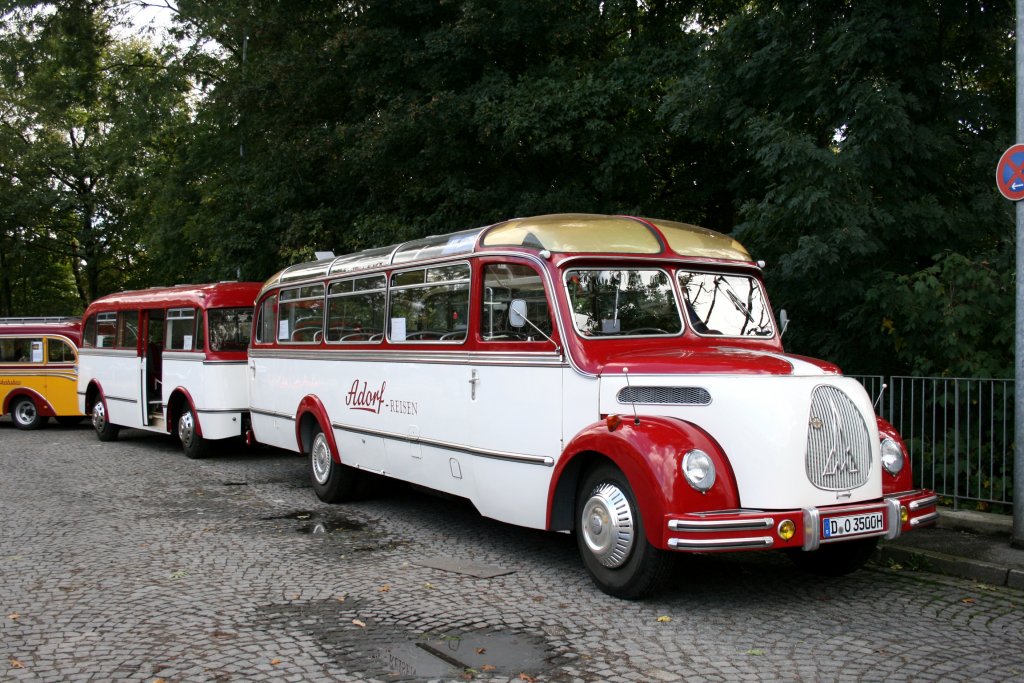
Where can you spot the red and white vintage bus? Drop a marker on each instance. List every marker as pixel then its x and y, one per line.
pixel 619 377
pixel 38 366
pixel 168 360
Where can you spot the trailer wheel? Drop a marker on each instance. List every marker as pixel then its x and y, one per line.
pixel 332 482
pixel 25 414
pixel 104 430
pixel 611 539
pixel 191 442
pixel 835 559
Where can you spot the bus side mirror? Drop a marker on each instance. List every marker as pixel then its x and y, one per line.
pixel 517 313
pixel 783 321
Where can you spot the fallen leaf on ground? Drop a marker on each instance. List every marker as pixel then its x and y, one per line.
pixel 358 623
pixel 481 650
pixel 488 667
pixel 664 620
pixel 384 589
pixel 343 598
pixel 14 616
pixel 528 678
pixel 275 661
pixel 968 600
pixel 15 664
pixel 757 653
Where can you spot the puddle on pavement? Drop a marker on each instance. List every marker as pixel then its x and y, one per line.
pixel 390 653
pixel 316 524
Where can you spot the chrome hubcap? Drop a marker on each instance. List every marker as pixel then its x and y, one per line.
pixel 607 525
pixel 26 412
pixel 186 428
pixel 99 416
pixel 320 457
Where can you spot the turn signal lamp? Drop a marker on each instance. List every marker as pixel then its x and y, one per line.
pixel 787 529
pixel 904 514
pixel 613 422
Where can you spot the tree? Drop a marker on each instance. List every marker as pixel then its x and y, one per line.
pixel 83 119
pixel 859 141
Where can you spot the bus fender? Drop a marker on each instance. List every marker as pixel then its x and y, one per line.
pixel 42 405
pixel 904 481
pixel 179 396
pixel 650 455
pixel 94 392
pixel 312 409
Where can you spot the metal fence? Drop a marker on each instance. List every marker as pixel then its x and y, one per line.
pixel 959 434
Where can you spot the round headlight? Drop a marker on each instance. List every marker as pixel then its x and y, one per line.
pixel 699 470
pixel 892 456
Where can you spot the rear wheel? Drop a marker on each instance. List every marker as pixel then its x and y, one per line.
pixel 332 481
pixel 611 539
pixel 104 430
pixel 835 559
pixel 25 414
pixel 192 443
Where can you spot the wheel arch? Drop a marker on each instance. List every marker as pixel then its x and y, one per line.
pixel 179 398
pixel 311 414
pixel 43 406
pixel 648 454
pixel 93 392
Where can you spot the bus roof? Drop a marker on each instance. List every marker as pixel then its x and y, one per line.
pixel 216 295
pixel 555 233
pixel 70 327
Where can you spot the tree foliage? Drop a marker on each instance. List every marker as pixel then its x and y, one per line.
pixel 849 144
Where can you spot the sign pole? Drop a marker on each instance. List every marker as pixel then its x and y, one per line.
pixel 1017 538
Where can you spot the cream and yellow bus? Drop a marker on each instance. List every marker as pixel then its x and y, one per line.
pixel 39 370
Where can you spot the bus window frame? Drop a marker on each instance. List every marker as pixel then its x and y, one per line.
pixel 427 283
pixel 329 297
pixel 282 302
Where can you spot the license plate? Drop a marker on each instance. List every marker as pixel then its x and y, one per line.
pixel 853 525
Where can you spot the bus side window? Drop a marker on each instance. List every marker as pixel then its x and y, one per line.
pixel 301 314
pixel 265 324
pixel 128 330
pixel 89 331
pixel 21 350
pixel 106 327
pixel 59 351
pixel 181 329
pixel 503 283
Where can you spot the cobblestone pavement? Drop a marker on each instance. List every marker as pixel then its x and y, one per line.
pixel 127 561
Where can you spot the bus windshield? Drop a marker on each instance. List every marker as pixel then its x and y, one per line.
pixel 608 303
pixel 724 305
pixel 230 328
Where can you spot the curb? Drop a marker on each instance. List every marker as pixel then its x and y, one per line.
pixel 940 563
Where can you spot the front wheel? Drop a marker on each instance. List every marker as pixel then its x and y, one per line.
pixel 25 414
pixel 192 443
pixel 611 539
pixel 332 481
pixel 104 430
pixel 835 559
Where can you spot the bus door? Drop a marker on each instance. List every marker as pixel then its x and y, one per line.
pixel 152 366
pixel 515 397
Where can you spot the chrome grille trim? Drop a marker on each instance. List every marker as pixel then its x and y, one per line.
pixel 680 396
pixel 838 443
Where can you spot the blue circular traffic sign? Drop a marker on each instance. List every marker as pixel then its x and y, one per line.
pixel 1010 173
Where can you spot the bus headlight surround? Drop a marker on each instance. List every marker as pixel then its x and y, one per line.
pixel 698 469
pixel 892 456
